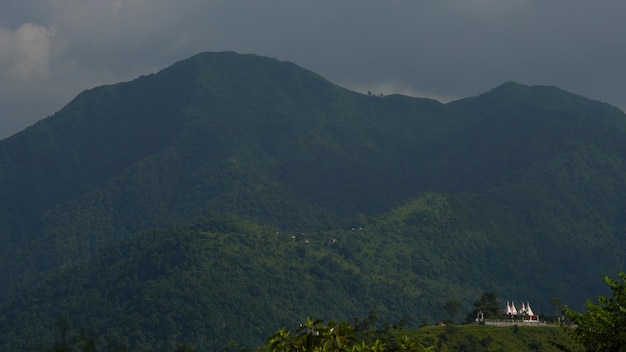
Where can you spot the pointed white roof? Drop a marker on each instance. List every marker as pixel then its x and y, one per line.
pixel 529 311
pixel 513 309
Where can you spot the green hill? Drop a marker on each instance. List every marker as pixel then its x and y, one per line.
pixel 490 338
pixel 519 190
pixel 225 280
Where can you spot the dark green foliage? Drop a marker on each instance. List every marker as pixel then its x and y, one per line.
pixel 484 338
pixel 518 191
pixel 193 285
pixel 452 308
pixel 315 336
pixel 488 304
pixel 601 327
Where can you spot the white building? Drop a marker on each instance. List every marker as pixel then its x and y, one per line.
pixel 525 312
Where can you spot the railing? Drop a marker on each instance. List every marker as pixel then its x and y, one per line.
pixel 511 322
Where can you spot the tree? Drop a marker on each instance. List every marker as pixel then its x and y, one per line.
pixel 601 327
pixel 557 304
pixel 315 336
pixel 408 344
pixel 452 307
pixel 489 305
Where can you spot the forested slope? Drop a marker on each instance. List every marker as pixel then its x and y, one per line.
pixel 519 190
pixel 217 281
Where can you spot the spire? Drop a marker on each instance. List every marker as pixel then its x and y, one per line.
pixel 528 310
pixel 513 309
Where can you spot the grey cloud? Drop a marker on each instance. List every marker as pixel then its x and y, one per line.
pixel 441 49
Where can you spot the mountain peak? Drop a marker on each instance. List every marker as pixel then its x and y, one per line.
pixel 512 88
pixel 510 85
pixel 516 94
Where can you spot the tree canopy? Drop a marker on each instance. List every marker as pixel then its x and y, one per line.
pixel 602 328
pixel 313 335
pixel 488 304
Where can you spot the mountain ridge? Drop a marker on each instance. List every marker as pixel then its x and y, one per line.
pixel 521 181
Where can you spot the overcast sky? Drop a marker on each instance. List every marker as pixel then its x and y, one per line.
pixel 51 50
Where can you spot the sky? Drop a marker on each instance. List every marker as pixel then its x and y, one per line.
pixel 51 50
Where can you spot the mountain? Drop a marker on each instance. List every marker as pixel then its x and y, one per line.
pixel 188 185
pixel 231 132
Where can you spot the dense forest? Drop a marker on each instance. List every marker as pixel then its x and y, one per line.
pixel 229 195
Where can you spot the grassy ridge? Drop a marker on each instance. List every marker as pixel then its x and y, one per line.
pixel 492 339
